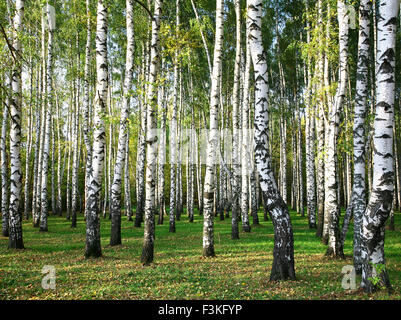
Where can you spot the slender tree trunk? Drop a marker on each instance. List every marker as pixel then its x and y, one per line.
pixel 68 191
pixel 173 135
pixel 151 140
pixel 86 107
pixel 320 137
pixel 141 167
pixel 37 146
pixel 28 150
pixel 53 177
pixel 15 223
pixel 209 187
pixel 93 247
pixel 310 146
pixel 74 176
pixel 357 205
pixel 236 143
pixel 5 183
pixel 127 184
pixel 192 155
pixel 335 248
pixel 115 196
pixel 246 164
pixel 162 153
pixel 283 252
pixel 46 143
pixel 59 176
pixel 254 201
pixel 38 192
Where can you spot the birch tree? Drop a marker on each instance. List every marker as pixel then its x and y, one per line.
pixel 283 252
pixel 86 106
pixel 115 196
pixel 381 198
pixel 331 197
pixel 93 247
pixel 173 134
pixel 358 198
pixel 151 140
pixel 236 136
pixel 4 165
pixel 309 139
pixel 209 185
pixel 48 114
pixel 15 223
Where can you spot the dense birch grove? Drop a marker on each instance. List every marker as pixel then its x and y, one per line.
pixel 157 111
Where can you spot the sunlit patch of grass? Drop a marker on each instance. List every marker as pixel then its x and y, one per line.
pixel 240 269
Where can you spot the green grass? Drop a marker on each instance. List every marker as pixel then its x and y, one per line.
pixel 240 269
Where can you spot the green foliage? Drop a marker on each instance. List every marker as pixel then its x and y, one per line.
pixel 376 278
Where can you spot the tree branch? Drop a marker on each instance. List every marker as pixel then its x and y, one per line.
pixel 145 7
pixel 8 42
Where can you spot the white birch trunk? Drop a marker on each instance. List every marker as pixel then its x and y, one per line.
pixel 381 198
pixel 335 247
pixel 236 125
pixel 358 196
pixel 209 185
pixel 320 137
pixel 4 164
pixel 15 223
pixel 93 247
pixel 86 106
pixel 115 196
pixel 151 140
pixel 283 253
pixel 74 176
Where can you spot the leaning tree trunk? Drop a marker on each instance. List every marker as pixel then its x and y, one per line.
pixel 381 198
pixel 15 223
pixel 283 253
pixel 209 185
pixel 115 196
pixel 93 247
pixel 335 248
pixel 151 140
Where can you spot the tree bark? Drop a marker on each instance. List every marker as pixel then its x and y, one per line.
pixel 283 252
pixel 335 248
pixel 115 196
pixel 236 143
pixel 209 185
pixel 151 140
pixel 93 247
pixel 381 198
pixel 15 223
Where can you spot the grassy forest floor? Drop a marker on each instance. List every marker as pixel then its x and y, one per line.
pixel 240 270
